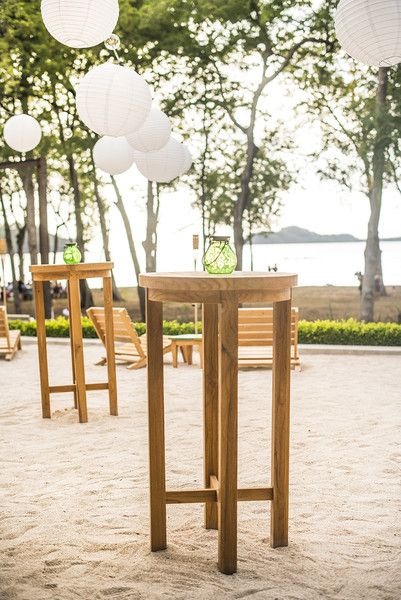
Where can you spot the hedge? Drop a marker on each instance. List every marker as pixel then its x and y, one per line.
pixel 348 332
pixel 60 328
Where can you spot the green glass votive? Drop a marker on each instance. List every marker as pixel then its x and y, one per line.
pixel 72 255
pixel 220 258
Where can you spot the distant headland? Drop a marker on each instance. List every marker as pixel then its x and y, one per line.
pixel 298 235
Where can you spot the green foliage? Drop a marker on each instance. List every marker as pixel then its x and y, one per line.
pixel 349 333
pixel 345 333
pixel 60 328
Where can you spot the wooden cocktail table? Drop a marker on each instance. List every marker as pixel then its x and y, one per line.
pixel 220 296
pixel 72 274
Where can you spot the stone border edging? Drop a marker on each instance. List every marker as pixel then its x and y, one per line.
pixel 304 349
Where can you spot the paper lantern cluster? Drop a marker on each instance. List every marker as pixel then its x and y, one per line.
pixel 370 30
pixel 115 102
pixel 112 100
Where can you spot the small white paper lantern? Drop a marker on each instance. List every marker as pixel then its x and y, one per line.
pixel 80 23
pixel 113 155
pixel 153 134
pixel 22 133
pixel 187 160
pixel 113 100
pixel 163 165
pixel 370 30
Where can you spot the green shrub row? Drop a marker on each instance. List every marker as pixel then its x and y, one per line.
pixel 60 328
pixel 349 332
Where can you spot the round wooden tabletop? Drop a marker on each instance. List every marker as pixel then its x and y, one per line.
pixel 201 281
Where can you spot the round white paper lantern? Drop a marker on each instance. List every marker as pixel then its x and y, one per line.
pixel 370 30
pixel 113 100
pixel 22 133
pixel 187 160
pixel 113 155
pixel 153 134
pixel 80 23
pixel 163 165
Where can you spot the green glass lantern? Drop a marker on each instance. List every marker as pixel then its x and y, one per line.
pixel 72 255
pixel 220 258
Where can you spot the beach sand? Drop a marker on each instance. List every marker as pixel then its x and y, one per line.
pixel 74 497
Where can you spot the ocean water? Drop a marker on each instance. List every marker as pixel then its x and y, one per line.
pixel 315 264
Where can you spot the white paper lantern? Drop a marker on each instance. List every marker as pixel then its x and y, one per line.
pixel 370 30
pixel 153 134
pixel 80 23
pixel 113 100
pixel 22 133
pixel 163 165
pixel 187 160
pixel 113 155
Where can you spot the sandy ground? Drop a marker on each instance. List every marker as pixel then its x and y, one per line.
pixel 73 498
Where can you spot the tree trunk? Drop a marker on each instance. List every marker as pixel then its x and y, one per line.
pixel 104 229
pixel 55 245
pixel 10 250
pixel 131 244
pixel 372 249
pixel 20 251
pixel 27 182
pixel 44 232
pixel 150 243
pixel 86 294
pixel 243 199
pixel 251 242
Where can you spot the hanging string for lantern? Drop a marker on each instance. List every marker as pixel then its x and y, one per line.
pixel 113 43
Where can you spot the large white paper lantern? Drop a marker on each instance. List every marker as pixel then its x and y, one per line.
pixel 153 134
pixel 163 165
pixel 113 155
pixel 370 30
pixel 187 160
pixel 113 100
pixel 22 133
pixel 80 23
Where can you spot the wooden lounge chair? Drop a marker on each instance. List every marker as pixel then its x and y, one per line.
pixel 10 339
pixel 255 337
pixel 129 347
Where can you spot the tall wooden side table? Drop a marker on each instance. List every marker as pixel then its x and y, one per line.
pixel 72 274
pixel 220 296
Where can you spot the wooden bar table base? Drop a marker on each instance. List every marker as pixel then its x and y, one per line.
pixel 73 274
pixel 220 296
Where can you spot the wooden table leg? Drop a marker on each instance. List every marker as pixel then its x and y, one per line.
pixel 109 330
pixel 72 347
pixel 210 361
pixel 42 348
pixel 76 328
pixel 174 352
pixel 189 353
pixel 228 433
pixel 280 423
pixel 157 468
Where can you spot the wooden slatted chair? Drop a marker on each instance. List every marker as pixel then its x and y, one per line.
pixel 255 337
pixel 10 339
pixel 129 347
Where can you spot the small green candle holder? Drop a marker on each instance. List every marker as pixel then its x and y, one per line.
pixel 71 255
pixel 219 258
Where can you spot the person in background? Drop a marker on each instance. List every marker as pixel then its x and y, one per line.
pixel 359 276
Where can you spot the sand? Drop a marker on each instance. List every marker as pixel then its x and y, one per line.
pixel 74 504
